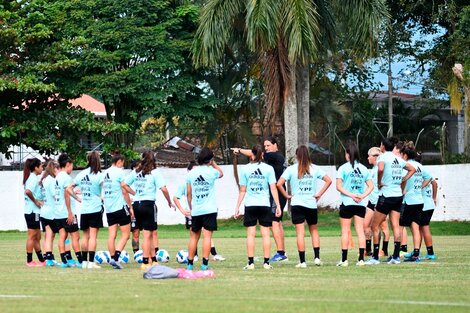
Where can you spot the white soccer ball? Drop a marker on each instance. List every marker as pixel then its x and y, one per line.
pixel 124 257
pixel 102 257
pixel 182 257
pixel 163 256
pixel 139 256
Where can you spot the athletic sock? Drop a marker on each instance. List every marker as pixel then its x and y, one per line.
pixel 68 254
pixel 302 256
pixel 361 254
pixel 79 256
pixel 316 252
pixel 404 248
pixel 368 246
pixel 213 251
pixel 281 252
pixel 396 250
pixel 266 260
pixel 91 256
pixel 190 262
pixel 416 252
pixel 63 257
pixel 154 259
pixel 156 250
pixel 85 255
pixel 145 260
pixel 205 261
pixel 52 257
pixel 376 251
pixel 385 247
pixel 49 255
pixel 135 250
pixel 29 257
pixel 116 255
pixel 344 255
pixel 430 250
pixel 40 256
pixel 251 260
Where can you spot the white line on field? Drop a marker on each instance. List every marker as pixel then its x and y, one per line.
pixel 16 296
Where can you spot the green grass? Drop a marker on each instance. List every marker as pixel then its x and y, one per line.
pixel 441 286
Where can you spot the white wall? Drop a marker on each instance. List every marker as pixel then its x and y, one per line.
pixel 452 195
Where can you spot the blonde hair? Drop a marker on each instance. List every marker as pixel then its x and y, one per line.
pixel 374 151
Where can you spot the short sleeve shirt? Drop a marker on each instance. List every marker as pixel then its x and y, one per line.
pixel 90 187
pixel 112 191
pixel 48 190
pixel 392 175
pixel 202 181
pixel 374 195
pixel 305 188
pixel 354 180
pixel 62 181
pixel 427 191
pixel 146 185
pixel 413 188
pixel 257 177
pixel 32 183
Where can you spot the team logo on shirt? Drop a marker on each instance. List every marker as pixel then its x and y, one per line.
pixel 257 174
pixel 200 181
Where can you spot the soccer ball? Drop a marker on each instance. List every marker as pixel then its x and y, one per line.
pixel 182 257
pixel 163 256
pixel 102 257
pixel 138 256
pixel 124 257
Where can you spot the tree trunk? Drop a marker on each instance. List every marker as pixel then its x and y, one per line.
pixel 290 119
pixel 303 104
pixel 390 98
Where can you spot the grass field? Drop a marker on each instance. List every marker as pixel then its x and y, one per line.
pixel 441 286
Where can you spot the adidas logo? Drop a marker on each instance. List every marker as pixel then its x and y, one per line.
pixel 257 172
pixel 418 170
pixel 86 178
pixel 200 179
pixel 395 162
pixel 107 176
pixel 357 171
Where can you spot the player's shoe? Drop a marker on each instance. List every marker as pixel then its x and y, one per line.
pixel 115 264
pixel 218 257
pixel 317 262
pixel 301 265
pixel 430 257
pixel 63 265
pixel 360 263
pixel 407 255
pixel 412 259
pixel 84 264
pixel 50 263
pixel 267 266
pixel 31 264
pixel 196 258
pixel 189 267
pixel 343 263
pixel 72 263
pixel 41 264
pixel 278 258
pixel 249 266
pixel 394 261
pixel 404 253
pixel 204 267
pixel 372 261
pixel 93 265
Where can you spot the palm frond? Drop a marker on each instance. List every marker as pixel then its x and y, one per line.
pixel 215 25
pixel 262 22
pixel 300 25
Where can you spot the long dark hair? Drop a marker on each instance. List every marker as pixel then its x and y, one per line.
pixel 148 163
pixel 63 160
pixel 409 150
pixel 29 166
pixel 94 162
pixel 353 153
pixel 257 151
pixel 303 159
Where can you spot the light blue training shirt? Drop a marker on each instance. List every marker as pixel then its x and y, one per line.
pixel 354 180
pixel 112 192
pixel 414 185
pixel 146 186
pixel 202 181
pixel 90 187
pixel 374 195
pixel 392 174
pixel 32 183
pixel 427 191
pixel 305 188
pixel 257 177
pixel 62 181
pixel 48 191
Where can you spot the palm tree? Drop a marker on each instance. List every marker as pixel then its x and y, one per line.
pixel 287 36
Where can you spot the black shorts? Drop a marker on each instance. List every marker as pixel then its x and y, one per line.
pixel 188 222
pixel 51 223
pixel 410 213
pixel 301 214
pixel 70 228
pixel 348 211
pixel 425 217
pixel 121 217
pixel 208 221
pixel 282 202
pixel 32 221
pixel 94 220
pixel 371 206
pixel 253 214
pixel 386 204
pixel 145 213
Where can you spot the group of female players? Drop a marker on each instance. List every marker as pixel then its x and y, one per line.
pixel 398 186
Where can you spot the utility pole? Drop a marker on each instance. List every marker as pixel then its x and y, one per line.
pixel 390 99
